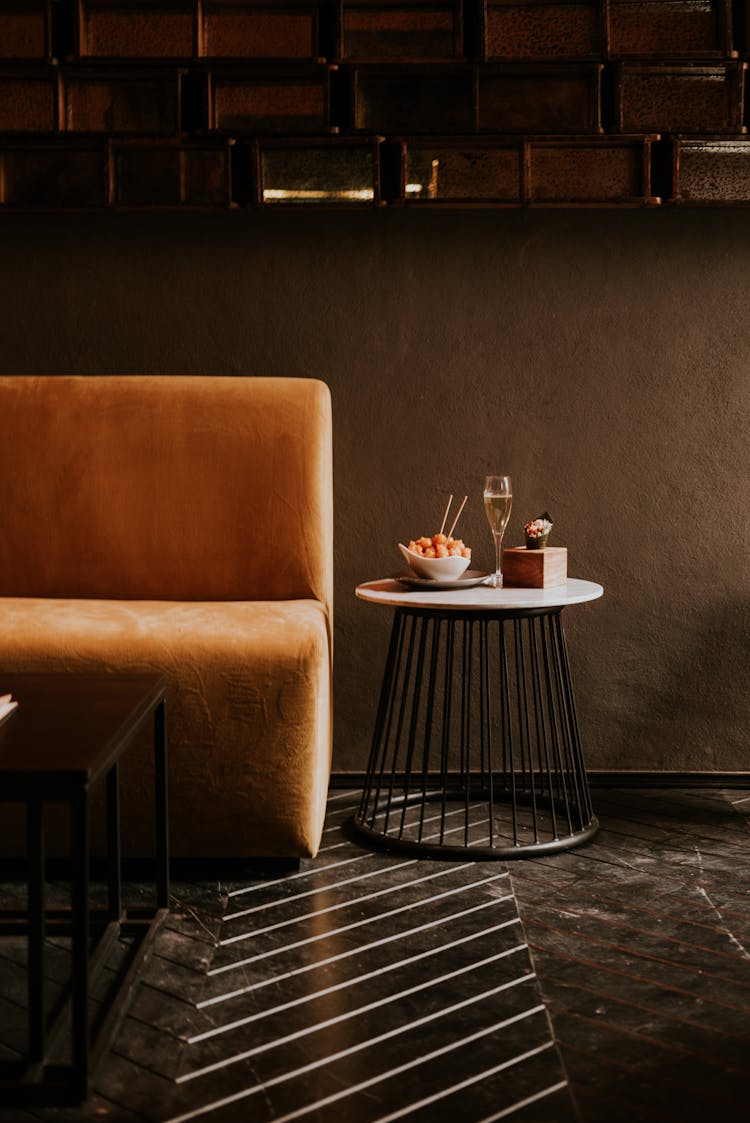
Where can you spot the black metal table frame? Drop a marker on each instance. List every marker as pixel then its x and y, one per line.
pixel 537 765
pixel 33 1080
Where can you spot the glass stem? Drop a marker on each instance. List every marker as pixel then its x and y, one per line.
pixel 497 580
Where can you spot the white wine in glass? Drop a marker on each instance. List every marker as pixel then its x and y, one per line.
pixel 498 500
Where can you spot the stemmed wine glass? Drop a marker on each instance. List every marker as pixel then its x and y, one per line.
pixel 498 500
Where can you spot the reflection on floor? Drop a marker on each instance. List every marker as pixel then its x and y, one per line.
pixel 611 982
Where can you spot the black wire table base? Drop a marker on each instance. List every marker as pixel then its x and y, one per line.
pixel 476 749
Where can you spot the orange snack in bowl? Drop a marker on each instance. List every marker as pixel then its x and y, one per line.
pixel 439 546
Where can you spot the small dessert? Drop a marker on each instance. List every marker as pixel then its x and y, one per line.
pixel 537 532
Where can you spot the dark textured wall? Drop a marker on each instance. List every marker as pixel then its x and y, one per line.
pixel 601 358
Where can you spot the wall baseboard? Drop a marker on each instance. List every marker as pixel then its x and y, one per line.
pixel 597 779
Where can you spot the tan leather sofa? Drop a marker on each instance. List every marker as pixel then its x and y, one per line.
pixel 184 525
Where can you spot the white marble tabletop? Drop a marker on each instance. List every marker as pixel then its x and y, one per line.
pixel 478 597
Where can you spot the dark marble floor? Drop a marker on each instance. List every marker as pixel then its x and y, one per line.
pixel 606 983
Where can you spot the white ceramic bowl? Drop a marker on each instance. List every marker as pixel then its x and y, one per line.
pixel 435 569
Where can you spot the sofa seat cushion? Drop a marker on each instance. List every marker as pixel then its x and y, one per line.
pixel 233 670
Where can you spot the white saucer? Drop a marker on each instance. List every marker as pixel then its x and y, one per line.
pixel 470 578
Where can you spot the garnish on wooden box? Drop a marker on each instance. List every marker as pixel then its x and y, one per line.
pixel 537 532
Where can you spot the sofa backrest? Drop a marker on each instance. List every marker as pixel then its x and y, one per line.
pixel 166 488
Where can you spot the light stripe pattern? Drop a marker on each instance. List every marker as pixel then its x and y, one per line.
pixel 372 988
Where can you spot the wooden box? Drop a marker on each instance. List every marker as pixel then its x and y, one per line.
pixel 254 29
pixel 122 101
pixel 540 99
pixel 53 176
pixel 25 29
pixel 145 29
pixel 263 102
pixel 384 29
pixel 682 99
pixel 169 173
pixel 589 170
pixel 711 170
pixel 449 171
pixel 519 30
pixel 535 569
pixel 663 29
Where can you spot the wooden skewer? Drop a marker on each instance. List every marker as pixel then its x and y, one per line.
pixel 445 516
pixel 460 509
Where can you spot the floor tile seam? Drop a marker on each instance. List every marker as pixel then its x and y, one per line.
pixel 593 965
pixel 695 900
pixel 180 907
pixel 556 907
pixel 561 897
pixel 558 1009
pixel 540 989
pixel 307 921
pixel 593 861
pixel 110 1099
pixel 733 957
pixel 315 1064
pixel 115 1051
pixel 521 1104
pixel 679 835
pixel 357 980
pixel 543 889
pixel 327 1023
pixel 525 884
pixel 265 884
pixel 676 842
pixel 420 820
pixel 590 1094
pixel 633 951
pixel 20 1005
pixel 615 860
pixel 628 1070
pixel 280 941
pixel 670 791
pixel 162 1029
pixel 179 934
pixel 235 965
pixel 548 978
pixel 148 1067
pixel 190 996
pixel 180 964
pixel 443 1093
pixel 678 850
pixel 631 825
pixel 650 1077
pixel 313 869
pixel 637 844
pixel 339 906
pixel 672 797
pixel 327 960
pixel 383 871
pixel 200 979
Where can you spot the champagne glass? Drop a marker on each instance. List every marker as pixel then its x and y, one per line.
pixel 498 500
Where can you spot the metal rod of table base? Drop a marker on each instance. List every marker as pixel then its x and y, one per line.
pixel 81 1034
pixel 476 749
pixel 162 808
pixel 36 907
pixel 114 854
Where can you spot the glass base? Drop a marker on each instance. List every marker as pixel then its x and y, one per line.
pixel 496 581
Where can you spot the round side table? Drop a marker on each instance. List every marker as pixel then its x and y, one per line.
pixel 476 749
